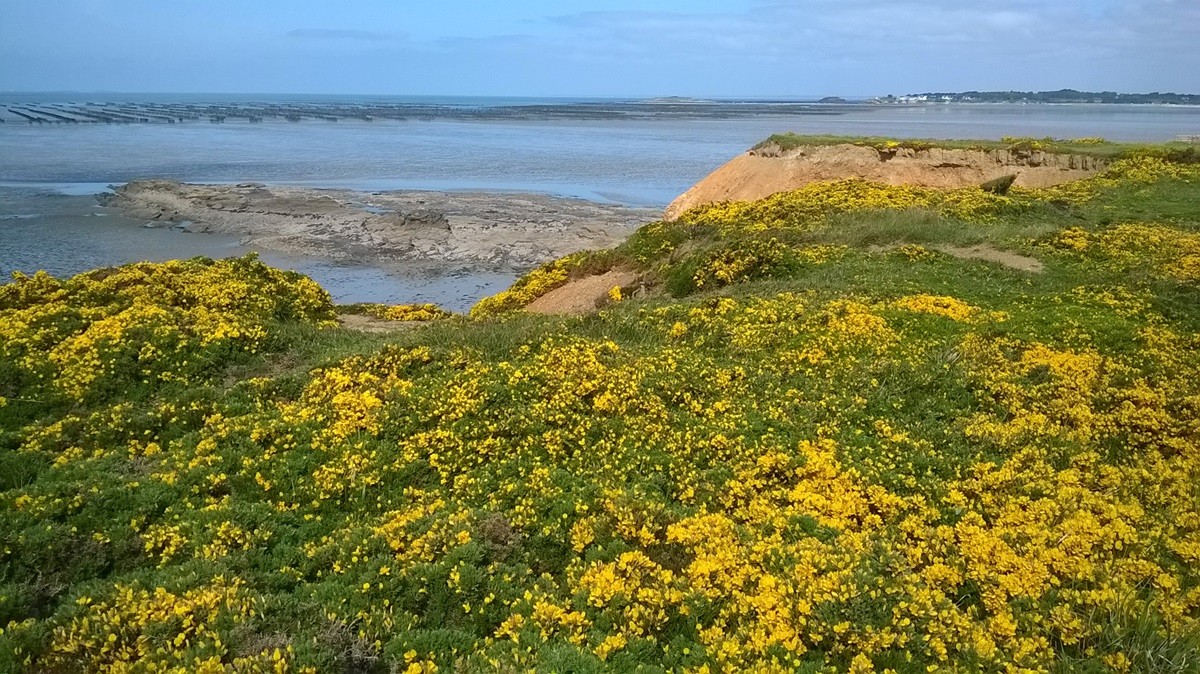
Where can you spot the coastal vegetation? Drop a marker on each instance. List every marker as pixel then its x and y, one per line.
pixel 1178 151
pixel 825 439
pixel 397 312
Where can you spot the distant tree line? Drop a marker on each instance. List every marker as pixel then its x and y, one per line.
pixel 1062 96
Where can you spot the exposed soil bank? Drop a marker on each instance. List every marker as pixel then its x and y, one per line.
pixel 492 230
pixel 581 296
pixel 762 172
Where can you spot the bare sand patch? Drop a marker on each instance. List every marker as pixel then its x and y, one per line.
pixel 371 324
pixel 990 253
pixel 582 295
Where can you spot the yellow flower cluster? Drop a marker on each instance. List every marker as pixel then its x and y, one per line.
pixel 155 631
pixel 808 207
pixel 754 258
pixel 1028 142
pixel 406 312
pixel 644 594
pixel 166 541
pixel 1131 172
pixel 915 253
pixel 149 322
pixel 785 516
pixel 348 398
pixel 1162 250
pixel 938 305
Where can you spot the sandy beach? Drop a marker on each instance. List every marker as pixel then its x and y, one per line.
pixel 480 229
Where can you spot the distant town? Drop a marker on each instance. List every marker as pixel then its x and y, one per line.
pixel 1060 96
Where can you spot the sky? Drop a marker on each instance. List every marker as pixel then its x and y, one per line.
pixel 704 48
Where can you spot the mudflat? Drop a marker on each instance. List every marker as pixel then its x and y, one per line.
pixel 486 229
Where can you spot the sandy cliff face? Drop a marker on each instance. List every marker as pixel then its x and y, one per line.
pixel 765 171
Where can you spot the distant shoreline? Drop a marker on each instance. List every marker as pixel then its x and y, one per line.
pixel 1061 96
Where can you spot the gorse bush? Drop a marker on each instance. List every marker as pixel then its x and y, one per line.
pixel 808 207
pixel 1153 249
pixel 747 259
pixel 402 312
pixel 99 333
pixel 829 459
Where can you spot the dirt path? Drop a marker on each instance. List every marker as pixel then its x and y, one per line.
pixel 374 325
pixel 989 253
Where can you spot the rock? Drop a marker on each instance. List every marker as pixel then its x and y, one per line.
pixel 497 231
pixel 999 185
pixel 425 219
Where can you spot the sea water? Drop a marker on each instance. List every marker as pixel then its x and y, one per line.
pixel 49 218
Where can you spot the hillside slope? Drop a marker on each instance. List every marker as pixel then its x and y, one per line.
pixel 811 441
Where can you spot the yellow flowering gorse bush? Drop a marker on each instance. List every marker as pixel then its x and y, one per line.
pixel 145 322
pixel 808 207
pixel 406 312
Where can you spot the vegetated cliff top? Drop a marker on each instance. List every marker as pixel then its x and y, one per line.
pixel 1176 151
pixel 790 161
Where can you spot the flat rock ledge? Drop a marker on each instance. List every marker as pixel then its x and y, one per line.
pixel 488 230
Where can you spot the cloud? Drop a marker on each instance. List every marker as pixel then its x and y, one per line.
pixel 848 47
pixel 1000 43
pixel 350 34
pixel 700 47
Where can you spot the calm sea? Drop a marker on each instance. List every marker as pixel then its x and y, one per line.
pixel 49 172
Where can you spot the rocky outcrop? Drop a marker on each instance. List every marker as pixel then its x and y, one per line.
pixel 764 171
pixel 497 231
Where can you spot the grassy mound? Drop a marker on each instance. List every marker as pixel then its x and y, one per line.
pixel 822 444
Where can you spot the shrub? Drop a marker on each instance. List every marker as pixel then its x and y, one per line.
pixel 99 333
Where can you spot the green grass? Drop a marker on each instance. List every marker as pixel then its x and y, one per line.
pixel 1103 149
